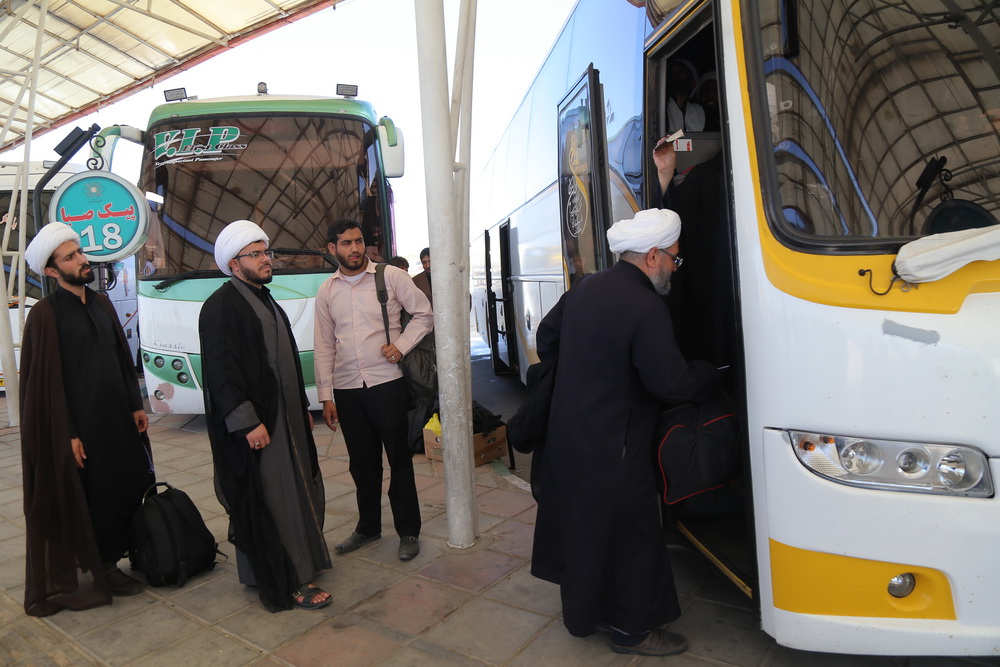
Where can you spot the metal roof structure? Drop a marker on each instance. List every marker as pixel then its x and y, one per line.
pixel 63 59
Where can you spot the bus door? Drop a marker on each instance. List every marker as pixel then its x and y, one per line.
pixel 683 86
pixel 500 301
pixel 583 179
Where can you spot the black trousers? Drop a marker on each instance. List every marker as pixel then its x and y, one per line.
pixel 373 417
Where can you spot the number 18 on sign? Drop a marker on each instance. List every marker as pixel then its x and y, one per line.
pixel 108 212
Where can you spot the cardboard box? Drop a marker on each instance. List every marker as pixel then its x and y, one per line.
pixel 486 447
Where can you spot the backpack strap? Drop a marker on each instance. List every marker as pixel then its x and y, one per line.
pixel 383 297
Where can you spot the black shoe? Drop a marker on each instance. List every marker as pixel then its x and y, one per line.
pixel 409 547
pixel 356 541
pixel 659 642
pixel 121 584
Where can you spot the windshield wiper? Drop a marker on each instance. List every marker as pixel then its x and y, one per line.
pixel 187 275
pixel 327 257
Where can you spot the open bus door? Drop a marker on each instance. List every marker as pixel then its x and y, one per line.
pixel 704 296
pixel 583 179
pixel 500 302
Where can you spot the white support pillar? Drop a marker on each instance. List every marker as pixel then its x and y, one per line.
pixel 7 358
pixel 450 271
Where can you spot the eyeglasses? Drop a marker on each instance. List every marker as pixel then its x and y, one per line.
pixel 257 254
pixel 677 260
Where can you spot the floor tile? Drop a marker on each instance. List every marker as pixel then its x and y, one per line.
pixel 338 643
pixel 202 647
pixel 504 503
pixel 473 570
pixel 76 623
pixel 438 526
pixel 741 643
pixel 521 589
pixel 137 634
pixel 353 580
pixel 514 538
pixel 259 627
pixel 216 598
pixel 488 630
pixel 425 654
pixel 556 647
pixel 412 605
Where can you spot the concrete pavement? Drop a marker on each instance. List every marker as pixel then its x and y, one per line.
pixel 446 607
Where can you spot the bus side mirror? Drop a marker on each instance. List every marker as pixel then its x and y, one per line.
pixel 390 141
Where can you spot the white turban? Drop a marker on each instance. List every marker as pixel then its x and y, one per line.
pixel 652 228
pixel 48 238
pixel 236 236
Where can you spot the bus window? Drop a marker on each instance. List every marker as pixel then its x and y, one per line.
pixel 293 175
pixel 862 97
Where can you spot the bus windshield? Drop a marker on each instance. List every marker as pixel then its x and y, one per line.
pixel 291 174
pixel 884 118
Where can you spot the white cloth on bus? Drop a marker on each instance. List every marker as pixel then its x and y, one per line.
pixel 50 237
pixel 236 236
pixel 939 255
pixel 651 228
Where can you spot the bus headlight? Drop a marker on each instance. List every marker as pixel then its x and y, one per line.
pixel 895 466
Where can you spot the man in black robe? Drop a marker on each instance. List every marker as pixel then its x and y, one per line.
pixel 598 532
pixel 266 468
pixel 85 454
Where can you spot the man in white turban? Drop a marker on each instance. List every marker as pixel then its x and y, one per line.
pixel 266 467
pixel 233 238
pixel 84 448
pixel 649 241
pixel 597 533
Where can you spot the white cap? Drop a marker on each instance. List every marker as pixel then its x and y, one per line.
pixel 652 228
pixel 48 238
pixel 236 236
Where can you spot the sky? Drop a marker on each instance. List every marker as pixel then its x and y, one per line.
pixel 370 43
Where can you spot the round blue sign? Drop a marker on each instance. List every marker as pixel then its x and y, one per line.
pixel 109 213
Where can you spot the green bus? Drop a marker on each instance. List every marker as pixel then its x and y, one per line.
pixel 291 164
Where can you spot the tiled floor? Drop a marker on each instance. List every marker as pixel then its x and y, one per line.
pixel 446 607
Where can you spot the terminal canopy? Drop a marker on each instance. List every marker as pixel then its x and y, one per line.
pixel 90 53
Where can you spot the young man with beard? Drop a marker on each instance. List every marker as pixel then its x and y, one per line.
pixel 598 532
pixel 266 467
pixel 85 454
pixel 361 386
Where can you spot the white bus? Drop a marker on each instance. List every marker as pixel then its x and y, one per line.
pixel 867 519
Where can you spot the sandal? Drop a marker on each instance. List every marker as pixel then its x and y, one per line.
pixel 309 593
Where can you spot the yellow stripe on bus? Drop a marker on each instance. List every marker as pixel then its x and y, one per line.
pixel 834 279
pixel 811 582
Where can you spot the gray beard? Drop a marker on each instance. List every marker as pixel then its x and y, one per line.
pixel 661 284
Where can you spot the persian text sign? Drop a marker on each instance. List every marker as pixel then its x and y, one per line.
pixel 109 213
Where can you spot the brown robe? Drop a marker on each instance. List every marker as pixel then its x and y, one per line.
pixel 63 565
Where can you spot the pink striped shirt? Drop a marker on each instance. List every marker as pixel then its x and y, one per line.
pixel 349 332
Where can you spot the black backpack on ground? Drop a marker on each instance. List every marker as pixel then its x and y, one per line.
pixel 172 542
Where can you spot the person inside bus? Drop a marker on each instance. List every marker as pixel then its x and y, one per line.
pixel 683 113
pixel 598 533
pixel 86 456
pixel 708 96
pixel 266 466
pixel 701 302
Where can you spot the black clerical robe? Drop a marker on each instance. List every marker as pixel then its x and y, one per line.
pixel 598 532
pixel 78 380
pixel 240 379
